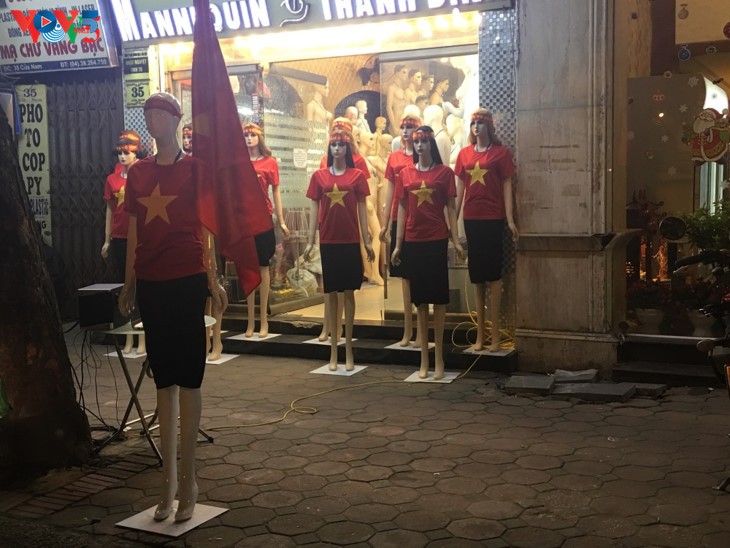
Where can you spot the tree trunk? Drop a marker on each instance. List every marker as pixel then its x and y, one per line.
pixel 45 428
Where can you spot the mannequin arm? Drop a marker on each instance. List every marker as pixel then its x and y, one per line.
pixel 400 234
pixel 459 196
pixel 386 212
pixel 107 231
pixel 390 97
pixel 279 210
pixel 126 296
pixel 363 218
pixel 508 208
pixel 211 267
pixel 313 225
pixel 453 227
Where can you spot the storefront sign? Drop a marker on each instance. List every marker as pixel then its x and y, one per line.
pixel 153 21
pixel 33 152
pixel 40 36
pixel 136 77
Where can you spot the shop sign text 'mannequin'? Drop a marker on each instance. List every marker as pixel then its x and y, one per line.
pixel 153 21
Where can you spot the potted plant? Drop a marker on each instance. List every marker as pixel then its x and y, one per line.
pixel 648 298
pixel 709 230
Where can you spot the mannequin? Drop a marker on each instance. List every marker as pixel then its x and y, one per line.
pixel 351 114
pixel 366 145
pixel 116 226
pixel 484 172
pixel 454 129
pixel 267 170
pixel 384 143
pixel 395 99
pixel 427 83
pixel 316 110
pixel 422 103
pixel 187 138
pixel 362 109
pixel 433 117
pixel 467 94
pixel 438 91
pixel 380 123
pixel 338 195
pixel 414 86
pixel 412 111
pixel 397 161
pixel 423 191
pixel 171 271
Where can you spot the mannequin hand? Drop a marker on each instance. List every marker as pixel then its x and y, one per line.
pixel 307 252
pixel 459 251
pixel 126 299
pixel 370 253
pixel 105 250
pixel 284 229
pixel 395 257
pixel 384 234
pixel 515 233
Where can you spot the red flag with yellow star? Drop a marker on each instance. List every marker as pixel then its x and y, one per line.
pixel 232 204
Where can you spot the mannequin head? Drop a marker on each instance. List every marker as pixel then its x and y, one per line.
pixel 340 146
pixel 454 126
pixel 351 114
pixel 401 75
pixel 427 82
pixel 422 102
pixel 482 126
pixel 433 115
pixel 380 123
pixel 442 85
pixel 367 143
pixel 128 148
pixel 424 144
pixel 384 144
pixel 187 138
pixel 407 126
pixel 342 124
pixel 162 114
pixel 253 136
pixel 362 107
pixel 415 78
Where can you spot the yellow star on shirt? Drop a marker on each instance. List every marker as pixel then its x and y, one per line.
pixel 476 174
pixel 156 205
pixel 120 196
pixel 337 196
pixel 423 193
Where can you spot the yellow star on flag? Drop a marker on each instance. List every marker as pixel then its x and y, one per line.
pixel 120 196
pixel 476 174
pixel 423 193
pixel 337 196
pixel 156 205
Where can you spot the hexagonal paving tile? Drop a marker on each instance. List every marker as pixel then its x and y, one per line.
pixel 247 517
pixel 369 473
pixel 532 537
pixel 276 499
pixel 295 524
pixel 679 514
pixel 476 528
pixel 261 476
pixel 286 462
pixel 422 520
pixel 495 509
pixel 326 468
pixel 619 506
pixel 398 539
pixel 461 486
pixel 232 493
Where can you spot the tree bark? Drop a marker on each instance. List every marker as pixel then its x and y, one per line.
pixel 45 428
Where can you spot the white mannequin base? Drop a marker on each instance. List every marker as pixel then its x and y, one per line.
pixel 223 359
pixel 255 337
pixel 397 346
pixel 341 371
pixel 486 352
pixel 144 521
pixel 127 355
pixel 327 342
pixel 449 377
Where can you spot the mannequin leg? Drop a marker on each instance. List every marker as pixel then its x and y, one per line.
pixel 439 318
pixel 128 344
pixel 422 312
pixel 326 320
pixel 167 411
pixel 407 313
pixel 332 298
pixel 349 298
pixel 340 310
pixel 190 409
pixel 208 312
pixel 251 305
pixel 479 290
pixel 264 289
pixel 142 345
pixel 217 349
pixel 495 301
pixel 374 229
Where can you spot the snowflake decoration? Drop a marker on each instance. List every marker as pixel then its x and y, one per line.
pixel 630 135
pixel 665 138
pixel 683 108
pixel 672 171
pixel 692 81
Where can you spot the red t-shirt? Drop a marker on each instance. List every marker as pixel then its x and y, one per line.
pixel 267 170
pixel 338 196
pixel 424 195
pixel 396 161
pixel 483 174
pixel 359 161
pixel 114 192
pixel 169 232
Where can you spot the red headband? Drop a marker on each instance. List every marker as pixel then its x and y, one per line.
pixel 129 141
pixel 482 117
pixel 340 136
pixel 163 101
pixel 187 131
pixel 410 121
pixel 342 123
pixel 421 134
pixel 250 127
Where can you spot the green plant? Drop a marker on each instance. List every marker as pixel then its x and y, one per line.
pixel 709 230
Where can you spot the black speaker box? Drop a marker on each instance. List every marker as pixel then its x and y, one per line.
pixel 99 306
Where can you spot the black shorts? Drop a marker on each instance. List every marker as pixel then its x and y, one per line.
pixel 341 267
pixel 172 313
pixel 485 241
pixel 428 271
pixel 118 249
pixel 265 247
pixel 397 271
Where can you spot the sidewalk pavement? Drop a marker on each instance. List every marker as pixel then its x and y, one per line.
pixel 386 463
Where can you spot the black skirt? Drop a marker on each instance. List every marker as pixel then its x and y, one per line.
pixel 172 313
pixel 397 271
pixel 341 267
pixel 118 249
pixel 265 246
pixel 428 271
pixel 485 241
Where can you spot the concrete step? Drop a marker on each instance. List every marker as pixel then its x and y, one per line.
pixel 672 374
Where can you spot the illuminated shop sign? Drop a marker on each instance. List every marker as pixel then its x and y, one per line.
pixel 153 21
